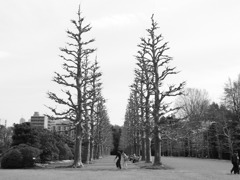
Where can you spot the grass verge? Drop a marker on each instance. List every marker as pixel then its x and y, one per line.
pixel 144 165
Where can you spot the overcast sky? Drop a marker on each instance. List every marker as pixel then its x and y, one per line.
pixel 203 36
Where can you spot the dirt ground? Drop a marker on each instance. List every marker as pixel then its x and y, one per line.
pixel 104 169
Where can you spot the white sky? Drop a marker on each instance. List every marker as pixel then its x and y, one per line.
pixel 204 37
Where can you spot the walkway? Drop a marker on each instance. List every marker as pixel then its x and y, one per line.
pixel 107 163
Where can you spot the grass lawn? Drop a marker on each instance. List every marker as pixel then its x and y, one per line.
pixel 104 169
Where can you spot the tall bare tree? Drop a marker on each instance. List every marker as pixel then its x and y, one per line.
pixel 159 61
pixel 74 82
pixel 144 76
pixel 129 138
pixel 95 96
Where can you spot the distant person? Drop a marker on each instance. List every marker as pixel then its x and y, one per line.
pixel 135 158
pixel 235 163
pixel 118 157
pixel 125 159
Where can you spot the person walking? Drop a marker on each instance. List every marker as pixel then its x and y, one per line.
pixel 118 157
pixel 235 163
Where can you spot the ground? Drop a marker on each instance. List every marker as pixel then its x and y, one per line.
pixel 104 169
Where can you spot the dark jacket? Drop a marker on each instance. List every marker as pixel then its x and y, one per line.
pixel 234 158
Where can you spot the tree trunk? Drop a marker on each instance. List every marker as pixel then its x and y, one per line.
pixel 219 148
pixel 91 140
pixel 157 142
pixel 91 149
pixel 148 138
pixel 143 146
pixel 78 148
pixel 171 148
pixel 87 150
pixel 135 144
pixel 230 146
pixel 208 150
pixel 189 146
pixel 86 154
pixel 101 151
pixel 148 147
pixel 138 144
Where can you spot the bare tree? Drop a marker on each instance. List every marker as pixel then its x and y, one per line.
pixel 194 105
pixel 144 76
pixel 74 81
pixel 155 50
pixel 102 131
pixel 95 95
pixel 232 96
pixel 129 138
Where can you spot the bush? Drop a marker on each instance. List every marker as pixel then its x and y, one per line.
pixel 64 151
pixel 28 153
pixel 20 156
pixel 69 152
pixel 12 159
pixel 50 152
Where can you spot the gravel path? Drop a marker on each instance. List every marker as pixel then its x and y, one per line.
pixel 104 169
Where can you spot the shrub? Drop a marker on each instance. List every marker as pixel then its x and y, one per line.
pixel 64 151
pixel 46 155
pixel 28 153
pixel 12 159
pixel 22 155
pixel 50 152
pixel 69 152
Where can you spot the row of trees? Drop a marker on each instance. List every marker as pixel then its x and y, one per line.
pixel 81 100
pixel 149 97
pixel 193 126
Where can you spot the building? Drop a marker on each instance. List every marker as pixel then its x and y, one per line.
pixel 63 127
pixel 22 120
pixel 39 121
pixel 59 126
pixel 51 123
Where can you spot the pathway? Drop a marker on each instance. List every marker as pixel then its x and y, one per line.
pixel 107 163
